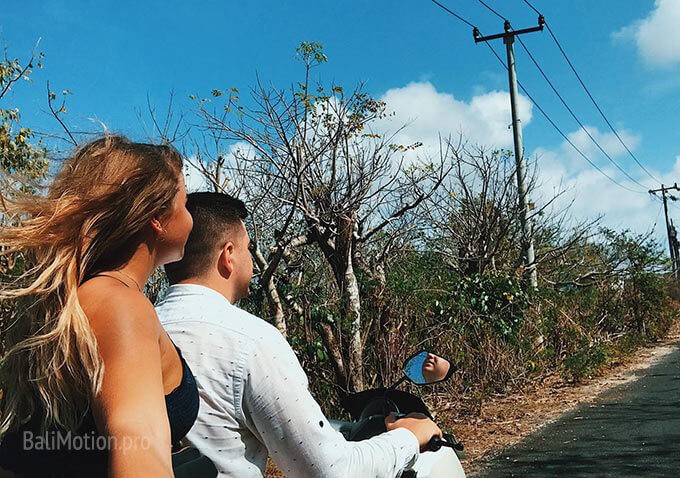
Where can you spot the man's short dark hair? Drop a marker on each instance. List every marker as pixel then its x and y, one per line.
pixel 217 217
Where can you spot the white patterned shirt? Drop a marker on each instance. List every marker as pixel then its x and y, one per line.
pixel 255 399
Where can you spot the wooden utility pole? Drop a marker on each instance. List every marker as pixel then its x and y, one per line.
pixel 528 240
pixel 670 229
pixel 675 246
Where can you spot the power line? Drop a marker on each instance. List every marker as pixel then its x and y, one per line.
pixel 573 115
pixel 675 207
pixel 547 117
pixel 557 128
pixel 492 10
pixel 658 214
pixel 452 13
pixel 532 7
pixel 592 99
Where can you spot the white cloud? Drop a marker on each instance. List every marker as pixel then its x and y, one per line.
pixel 608 141
pixel 657 36
pixel 484 120
pixel 593 194
pixel 196 180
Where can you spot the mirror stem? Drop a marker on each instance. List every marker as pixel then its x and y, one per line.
pixel 394 385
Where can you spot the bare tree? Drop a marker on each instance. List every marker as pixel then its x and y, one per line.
pixel 475 215
pixel 316 175
pixel 18 156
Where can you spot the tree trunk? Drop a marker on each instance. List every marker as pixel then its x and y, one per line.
pixel 276 307
pixel 349 293
pixel 333 348
pixel 273 298
pixel 353 314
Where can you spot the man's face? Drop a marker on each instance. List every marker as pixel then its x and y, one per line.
pixel 243 263
pixel 435 368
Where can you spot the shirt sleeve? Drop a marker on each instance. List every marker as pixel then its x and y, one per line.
pixel 278 405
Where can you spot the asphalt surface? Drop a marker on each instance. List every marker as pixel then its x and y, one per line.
pixel 631 430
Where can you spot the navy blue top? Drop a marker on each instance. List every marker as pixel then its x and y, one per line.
pixel 84 453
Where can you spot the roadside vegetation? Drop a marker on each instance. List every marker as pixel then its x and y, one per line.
pixel 367 250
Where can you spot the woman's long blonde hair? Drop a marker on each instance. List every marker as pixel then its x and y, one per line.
pixel 91 219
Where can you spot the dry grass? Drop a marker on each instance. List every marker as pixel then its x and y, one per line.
pixel 273 471
pixel 505 420
pixel 502 421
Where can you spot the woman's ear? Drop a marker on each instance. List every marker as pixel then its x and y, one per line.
pixel 157 226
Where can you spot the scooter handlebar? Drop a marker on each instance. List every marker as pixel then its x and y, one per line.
pixel 436 443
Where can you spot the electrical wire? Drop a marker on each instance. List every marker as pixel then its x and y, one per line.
pixel 547 117
pixel 592 99
pixel 673 206
pixel 673 201
pixel 658 214
pixel 656 221
pixel 557 128
pixel 492 10
pixel 573 115
pixel 532 7
pixel 452 13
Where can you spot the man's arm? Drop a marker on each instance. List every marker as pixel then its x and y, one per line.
pixel 295 431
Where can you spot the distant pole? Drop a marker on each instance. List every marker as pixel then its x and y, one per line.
pixel 527 234
pixel 674 246
pixel 669 228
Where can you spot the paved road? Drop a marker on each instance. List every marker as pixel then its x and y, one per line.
pixel 631 430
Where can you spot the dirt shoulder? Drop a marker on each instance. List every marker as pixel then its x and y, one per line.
pixel 504 421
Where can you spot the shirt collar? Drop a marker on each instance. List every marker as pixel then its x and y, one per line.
pixel 178 291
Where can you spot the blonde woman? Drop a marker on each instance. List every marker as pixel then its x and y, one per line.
pixel 91 384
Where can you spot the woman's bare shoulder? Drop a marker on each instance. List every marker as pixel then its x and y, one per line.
pixel 114 309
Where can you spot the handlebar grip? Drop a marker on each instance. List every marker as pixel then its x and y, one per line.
pixel 435 443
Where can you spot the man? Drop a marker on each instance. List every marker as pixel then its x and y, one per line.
pixel 254 396
pixel 435 369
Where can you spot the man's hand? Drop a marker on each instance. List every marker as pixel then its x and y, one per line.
pixel 418 424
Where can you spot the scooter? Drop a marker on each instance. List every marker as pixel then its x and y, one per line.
pixel 369 408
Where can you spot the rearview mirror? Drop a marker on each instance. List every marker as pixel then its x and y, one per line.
pixel 425 368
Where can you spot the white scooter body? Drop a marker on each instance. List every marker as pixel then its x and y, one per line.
pixel 369 408
pixel 443 463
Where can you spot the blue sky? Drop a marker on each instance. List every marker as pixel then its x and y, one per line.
pixel 417 57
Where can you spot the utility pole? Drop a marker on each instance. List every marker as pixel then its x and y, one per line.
pixel 675 246
pixel 528 240
pixel 670 229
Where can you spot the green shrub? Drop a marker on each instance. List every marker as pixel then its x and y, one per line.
pixel 584 361
pixel 493 301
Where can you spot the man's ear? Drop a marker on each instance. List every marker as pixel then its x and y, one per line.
pixel 226 262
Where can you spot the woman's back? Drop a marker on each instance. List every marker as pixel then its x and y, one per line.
pixel 129 316
pixel 92 352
